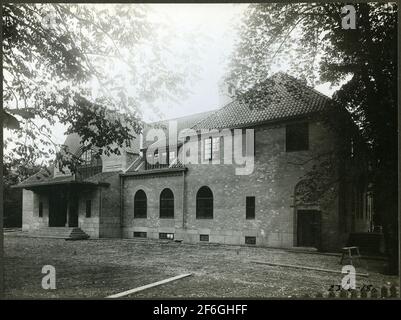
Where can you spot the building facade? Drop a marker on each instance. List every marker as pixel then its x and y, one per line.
pixel 233 177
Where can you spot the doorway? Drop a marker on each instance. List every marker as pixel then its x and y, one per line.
pixel 73 211
pixel 309 228
pixel 57 208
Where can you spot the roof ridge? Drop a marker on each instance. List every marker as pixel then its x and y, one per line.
pixel 211 114
pixel 177 118
pixel 299 81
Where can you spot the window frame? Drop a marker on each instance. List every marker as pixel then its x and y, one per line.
pixel 213 152
pixel 201 201
pixel 137 209
pixel 166 236
pixel 250 210
pixel 207 155
pixel 250 240
pixel 140 234
pixel 166 205
pixel 293 132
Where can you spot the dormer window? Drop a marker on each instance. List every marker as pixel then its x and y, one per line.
pixel 86 157
pixel 90 165
pixel 212 148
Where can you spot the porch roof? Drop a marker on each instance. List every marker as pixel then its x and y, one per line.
pixel 45 178
pixel 154 171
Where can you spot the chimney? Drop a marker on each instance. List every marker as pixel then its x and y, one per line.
pixel 226 93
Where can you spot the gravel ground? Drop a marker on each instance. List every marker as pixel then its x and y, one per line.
pixel 98 268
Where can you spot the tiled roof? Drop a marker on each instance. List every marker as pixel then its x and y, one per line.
pixel 139 166
pixel 182 123
pixel 44 177
pixel 280 97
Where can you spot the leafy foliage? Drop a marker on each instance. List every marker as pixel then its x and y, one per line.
pixel 308 40
pixel 54 57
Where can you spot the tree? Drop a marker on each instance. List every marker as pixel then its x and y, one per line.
pixel 53 57
pixel 308 40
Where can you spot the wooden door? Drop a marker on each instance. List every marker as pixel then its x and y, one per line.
pixel 309 228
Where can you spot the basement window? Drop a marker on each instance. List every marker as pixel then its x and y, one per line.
pixel 138 234
pixel 204 237
pixel 40 209
pixel 88 207
pixel 250 240
pixel 297 137
pixel 166 236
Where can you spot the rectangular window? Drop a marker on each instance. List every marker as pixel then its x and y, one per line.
pixel 250 207
pixel 40 209
pixel 247 140
pixel 212 148
pixel 168 236
pixel 88 208
pixel 250 240
pixel 204 237
pixel 138 234
pixel 297 137
pixel 216 148
pixel 208 148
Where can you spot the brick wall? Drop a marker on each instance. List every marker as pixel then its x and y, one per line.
pixel 30 210
pixel 153 186
pixel 91 224
pixel 110 226
pixel 272 183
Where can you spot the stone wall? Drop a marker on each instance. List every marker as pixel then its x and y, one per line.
pixel 90 225
pixel 30 210
pixel 110 215
pixel 272 182
pixel 153 185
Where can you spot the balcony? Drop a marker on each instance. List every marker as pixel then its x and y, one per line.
pixel 87 171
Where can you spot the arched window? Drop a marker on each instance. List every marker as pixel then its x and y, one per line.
pixel 167 204
pixel 204 203
pixel 140 204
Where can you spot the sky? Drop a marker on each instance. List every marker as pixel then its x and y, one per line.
pixel 216 23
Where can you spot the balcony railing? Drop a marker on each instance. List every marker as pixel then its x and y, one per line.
pixel 149 166
pixel 87 171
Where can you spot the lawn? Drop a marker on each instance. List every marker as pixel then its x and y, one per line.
pixel 98 268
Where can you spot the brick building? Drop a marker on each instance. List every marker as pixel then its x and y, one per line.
pixel 232 177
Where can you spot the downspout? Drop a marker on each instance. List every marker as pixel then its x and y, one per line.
pixel 183 199
pixel 100 208
pixel 121 205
